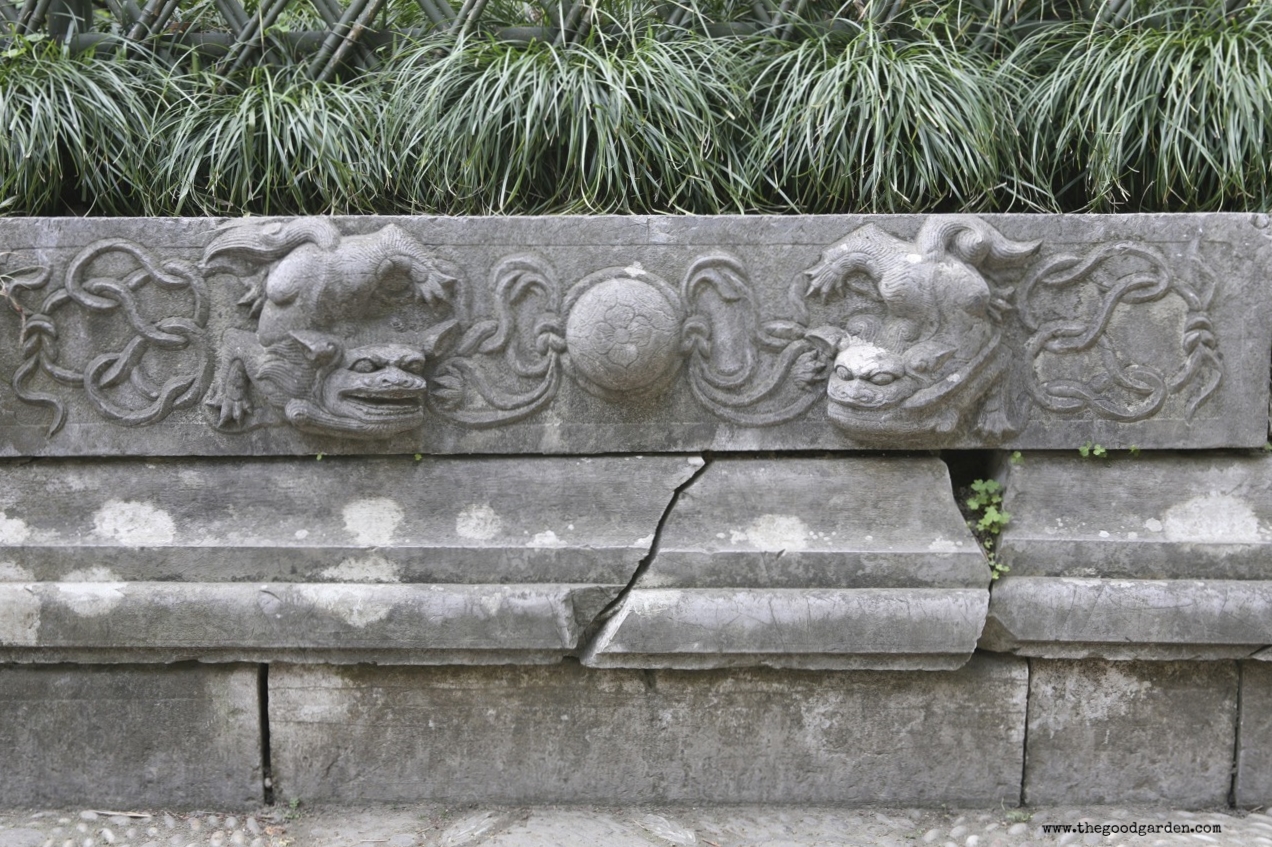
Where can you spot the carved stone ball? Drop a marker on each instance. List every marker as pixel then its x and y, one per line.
pixel 623 334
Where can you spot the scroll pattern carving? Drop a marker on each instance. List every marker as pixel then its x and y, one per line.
pixel 1128 387
pixel 370 336
pixel 152 365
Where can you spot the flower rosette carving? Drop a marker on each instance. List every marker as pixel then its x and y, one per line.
pixel 1102 327
pixel 622 334
pixel 150 315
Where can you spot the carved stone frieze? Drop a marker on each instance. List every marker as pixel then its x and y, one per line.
pixel 573 334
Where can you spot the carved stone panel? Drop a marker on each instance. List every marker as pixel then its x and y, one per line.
pixel 584 335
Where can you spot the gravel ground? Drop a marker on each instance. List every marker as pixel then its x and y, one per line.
pixel 731 826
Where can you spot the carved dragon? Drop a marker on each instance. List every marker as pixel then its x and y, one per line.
pixel 304 361
pixel 926 350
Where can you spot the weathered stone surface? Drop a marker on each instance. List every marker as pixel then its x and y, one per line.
pixel 487 560
pixel 1151 516
pixel 1129 618
pixel 1156 557
pixel 1253 786
pixel 569 734
pixel 1130 732
pixel 848 562
pixel 182 736
pixel 587 335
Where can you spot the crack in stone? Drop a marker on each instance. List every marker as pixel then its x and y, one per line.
pixel 589 633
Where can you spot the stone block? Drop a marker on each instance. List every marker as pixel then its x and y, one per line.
pixel 1155 557
pixel 122 737
pixel 1151 516
pixel 602 334
pixel 847 562
pixel 1253 786
pixel 562 733
pixel 481 560
pixel 1130 732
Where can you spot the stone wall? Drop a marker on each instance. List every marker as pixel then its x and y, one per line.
pixel 659 509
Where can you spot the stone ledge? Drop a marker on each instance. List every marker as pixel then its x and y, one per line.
pixel 845 562
pixel 1065 618
pixel 814 629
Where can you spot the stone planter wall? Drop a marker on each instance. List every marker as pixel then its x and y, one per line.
pixel 636 509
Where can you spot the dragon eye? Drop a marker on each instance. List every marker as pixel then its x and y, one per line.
pixel 843 373
pixel 364 366
pixel 883 378
pixel 413 366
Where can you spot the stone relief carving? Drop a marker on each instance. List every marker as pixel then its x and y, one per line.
pixel 110 296
pixel 921 351
pixel 959 331
pixel 325 306
pixel 1122 378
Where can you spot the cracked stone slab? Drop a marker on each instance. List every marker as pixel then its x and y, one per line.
pixel 1253 786
pixel 1162 556
pixel 584 335
pixel 1131 732
pixel 849 562
pixel 181 736
pixel 563 733
pixel 482 560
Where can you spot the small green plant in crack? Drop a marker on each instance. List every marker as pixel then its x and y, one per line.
pixel 1017 458
pixel 986 504
pixel 1090 449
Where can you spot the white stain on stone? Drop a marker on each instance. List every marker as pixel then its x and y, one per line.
pixel 478 522
pixel 1104 533
pixel 351 604
pixel 1212 517
pixel 19 616
pixel 1153 525
pixel 646 541
pixel 13 572
pixel 372 568
pixel 134 524
pixel 91 592
pixel 373 521
pixel 775 532
pixel 943 545
pixel 547 538
pixel 302 534
pixel 13 530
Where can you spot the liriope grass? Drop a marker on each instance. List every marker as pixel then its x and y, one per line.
pixel 624 122
pixel 864 121
pixel 270 142
pixel 71 126
pixel 1170 112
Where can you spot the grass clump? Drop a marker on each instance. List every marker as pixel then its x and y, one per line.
pixel 862 121
pixel 621 122
pixel 73 125
pixel 1171 111
pixel 270 142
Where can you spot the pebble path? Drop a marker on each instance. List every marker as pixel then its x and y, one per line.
pixel 741 826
